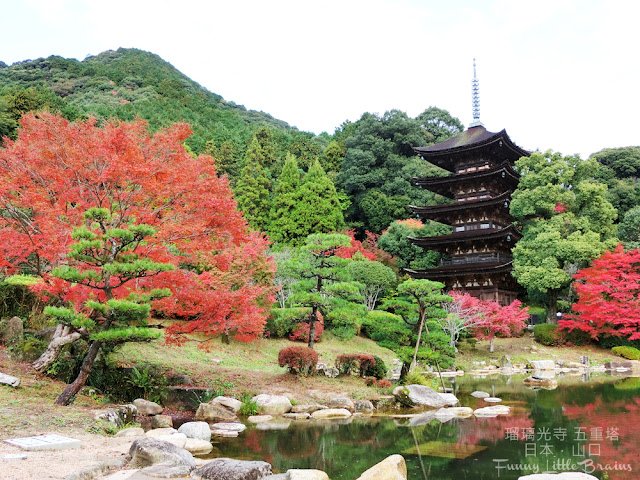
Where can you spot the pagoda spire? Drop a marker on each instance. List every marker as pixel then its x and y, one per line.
pixel 475 93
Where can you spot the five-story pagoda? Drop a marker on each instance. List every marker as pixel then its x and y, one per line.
pixel 479 249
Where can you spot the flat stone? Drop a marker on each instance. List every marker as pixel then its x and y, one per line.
pixel 307 408
pixel 156 432
pixel 479 394
pixel 44 442
pixel 418 395
pixel 391 468
pixel 131 432
pixel 306 474
pixel 9 380
pixel 331 413
pixel 492 411
pixel 449 399
pixel 230 469
pixel 493 400
pixel 260 418
pixel 543 364
pixel 231 427
pixel 178 439
pixel 462 412
pixel 197 447
pixel 341 402
pixel 161 421
pixel 224 433
pixel 444 415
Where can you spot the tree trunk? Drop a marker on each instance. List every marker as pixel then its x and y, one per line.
pixel 553 307
pixel 491 344
pixel 69 393
pixel 312 326
pixel 61 337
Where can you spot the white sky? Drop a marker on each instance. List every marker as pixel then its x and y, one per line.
pixel 560 74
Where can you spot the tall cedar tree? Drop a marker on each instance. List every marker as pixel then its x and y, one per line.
pixel 317 206
pixel 57 170
pixel 253 188
pixel 282 228
pixel 608 296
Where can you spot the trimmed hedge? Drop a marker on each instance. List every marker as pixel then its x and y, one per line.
pixel 378 369
pixel 629 353
pixel 547 334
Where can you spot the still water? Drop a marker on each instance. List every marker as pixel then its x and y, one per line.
pixel 588 426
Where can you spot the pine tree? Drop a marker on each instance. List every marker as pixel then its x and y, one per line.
pixel 253 188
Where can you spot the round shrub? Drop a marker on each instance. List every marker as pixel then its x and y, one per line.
pixel 378 369
pixel 629 353
pixel 298 359
pixel 347 362
pixel 547 334
pixel 370 381
pixel 383 384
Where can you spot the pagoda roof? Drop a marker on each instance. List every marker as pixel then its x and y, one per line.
pixel 433 243
pixel 443 211
pixel 443 185
pixel 465 269
pixel 472 139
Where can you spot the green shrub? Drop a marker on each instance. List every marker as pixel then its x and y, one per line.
pixel 576 337
pixel 547 334
pixel 378 369
pixel 282 321
pixel 416 378
pixel 249 407
pixel 629 353
pixel 347 362
pixel 609 341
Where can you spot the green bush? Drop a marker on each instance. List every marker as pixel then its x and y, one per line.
pixel 547 334
pixel 629 353
pixel 282 321
pixel 378 370
pixel 577 337
pixel 416 378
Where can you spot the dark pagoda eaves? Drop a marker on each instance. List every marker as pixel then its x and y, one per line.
pixel 430 243
pixel 474 138
pixel 460 206
pixel 441 185
pixel 457 270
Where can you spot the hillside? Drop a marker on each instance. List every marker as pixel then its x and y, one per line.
pixel 128 83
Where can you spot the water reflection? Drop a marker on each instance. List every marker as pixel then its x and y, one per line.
pixel 592 426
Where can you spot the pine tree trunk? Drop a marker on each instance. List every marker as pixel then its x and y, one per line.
pixel 312 326
pixel 61 337
pixel 69 393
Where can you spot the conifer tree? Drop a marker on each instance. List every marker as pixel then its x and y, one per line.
pixel 282 227
pixel 253 188
pixel 317 207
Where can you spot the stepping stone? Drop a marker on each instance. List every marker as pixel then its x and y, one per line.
pixel 230 427
pixel 493 399
pixel 479 394
pixel 44 442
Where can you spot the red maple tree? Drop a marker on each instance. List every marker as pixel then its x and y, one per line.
pixel 608 296
pixel 56 170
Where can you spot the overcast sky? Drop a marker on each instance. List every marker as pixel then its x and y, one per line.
pixel 560 74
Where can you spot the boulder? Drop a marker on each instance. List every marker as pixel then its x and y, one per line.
pixel 230 427
pixel 130 432
pixel 178 439
pixel 119 416
pixel 332 372
pixel 543 364
pixel 391 468
pixel 364 406
pixel 341 402
pixel 161 456
pixel 479 394
pixel 9 380
pixel 13 332
pixel 145 407
pixel 449 399
pixel 418 396
pixel 229 403
pixel 161 421
pixel 196 430
pixel 213 412
pixel 444 415
pixel 259 418
pixel 492 411
pixel 197 446
pixel 331 413
pixel 230 469
pixel 307 408
pixel 272 404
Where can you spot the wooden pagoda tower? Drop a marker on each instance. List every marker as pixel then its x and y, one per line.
pixel 478 251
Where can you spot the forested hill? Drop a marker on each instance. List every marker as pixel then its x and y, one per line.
pixel 124 84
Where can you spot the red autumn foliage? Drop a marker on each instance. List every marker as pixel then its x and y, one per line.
pixel 560 208
pixel 383 384
pixel 298 359
pixel 356 246
pixel 301 332
pixel 491 318
pixel 608 296
pixel 347 362
pixel 56 170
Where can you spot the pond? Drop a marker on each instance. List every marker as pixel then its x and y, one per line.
pixel 580 426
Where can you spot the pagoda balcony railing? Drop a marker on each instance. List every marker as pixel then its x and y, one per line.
pixel 477 258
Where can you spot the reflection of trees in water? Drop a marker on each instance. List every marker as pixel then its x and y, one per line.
pixel 298 442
